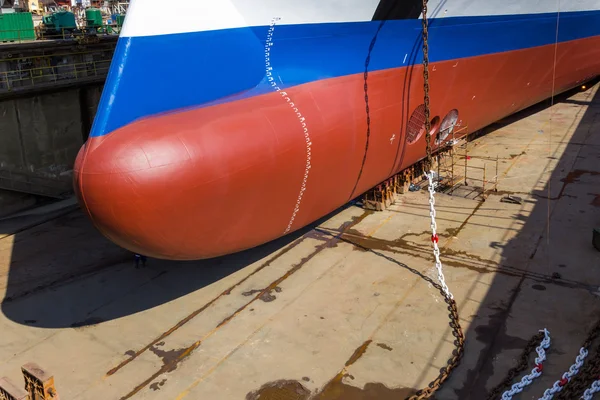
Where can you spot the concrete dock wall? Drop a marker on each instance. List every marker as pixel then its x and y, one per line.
pixel 49 93
pixel 41 135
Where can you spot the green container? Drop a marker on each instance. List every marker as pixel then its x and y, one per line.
pixel 120 19
pixel 64 20
pixel 16 26
pixel 93 18
pixel 48 20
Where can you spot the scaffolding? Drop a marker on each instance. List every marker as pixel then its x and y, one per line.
pixel 458 170
pixel 458 173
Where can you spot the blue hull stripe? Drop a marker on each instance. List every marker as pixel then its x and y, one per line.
pixel 156 74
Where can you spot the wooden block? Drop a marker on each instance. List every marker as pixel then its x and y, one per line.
pixel 373 205
pixel 9 391
pixel 39 383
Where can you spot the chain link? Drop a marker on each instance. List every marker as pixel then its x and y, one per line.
pixel 434 236
pixel 572 384
pixel 457 353
pixel 536 372
pixel 592 368
pixel 594 388
pixel 589 373
pixel 566 377
pixel 426 87
pixel 459 337
pixel 532 345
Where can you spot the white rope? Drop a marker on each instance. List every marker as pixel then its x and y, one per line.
pixel 589 393
pixel 434 236
pixel 535 372
pixel 573 370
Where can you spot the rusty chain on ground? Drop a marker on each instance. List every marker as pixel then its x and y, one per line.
pixel 457 353
pixel 459 338
pixel 588 374
pixel 520 367
pixel 573 389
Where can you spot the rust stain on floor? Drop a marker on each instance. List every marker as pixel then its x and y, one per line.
pixel 326 244
pixel 175 358
pixel 335 389
pixel 572 177
pixel 134 354
pixel 358 353
pixel 265 295
pixel 280 390
pixel 157 385
pixel 371 391
pixel 384 346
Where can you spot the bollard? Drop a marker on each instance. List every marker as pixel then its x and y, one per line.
pixel 9 391
pixel 38 383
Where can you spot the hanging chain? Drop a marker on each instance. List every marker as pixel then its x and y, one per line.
pixel 593 367
pixel 434 236
pixel 459 338
pixel 429 164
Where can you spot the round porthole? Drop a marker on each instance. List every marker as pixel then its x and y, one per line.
pixel 447 125
pixel 416 125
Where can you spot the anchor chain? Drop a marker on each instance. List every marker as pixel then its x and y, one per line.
pixel 429 164
pixel 579 379
pixel 535 343
pixel 589 393
pixel 572 381
pixel 590 372
pixel 459 338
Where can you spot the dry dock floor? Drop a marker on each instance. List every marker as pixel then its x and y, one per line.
pixel 340 310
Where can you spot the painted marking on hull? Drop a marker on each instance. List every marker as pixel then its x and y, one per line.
pixel 269 43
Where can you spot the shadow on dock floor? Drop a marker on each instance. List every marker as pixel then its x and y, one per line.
pixel 554 251
pixel 543 270
pixel 47 283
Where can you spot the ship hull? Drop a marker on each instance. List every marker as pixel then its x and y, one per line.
pixel 260 157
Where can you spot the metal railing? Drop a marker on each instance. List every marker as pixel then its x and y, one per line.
pixel 17 35
pixel 95 51
pixel 32 77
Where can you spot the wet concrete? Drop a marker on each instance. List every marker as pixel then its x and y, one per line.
pixel 345 309
pixel 280 390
